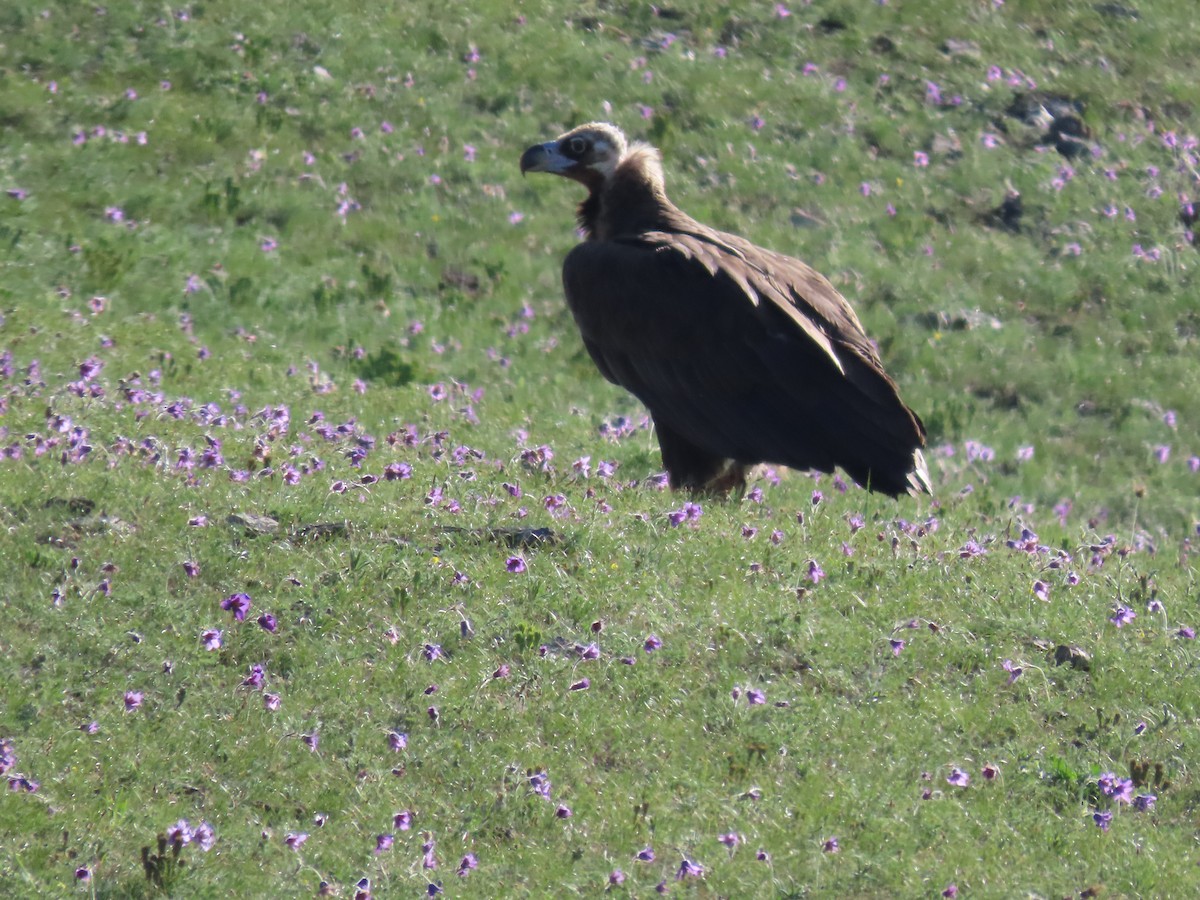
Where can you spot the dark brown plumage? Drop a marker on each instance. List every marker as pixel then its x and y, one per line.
pixel 742 355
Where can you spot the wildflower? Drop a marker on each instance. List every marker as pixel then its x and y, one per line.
pixel 815 572
pixel 1041 590
pixel 210 638
pixel 897 646
pixel 402 821
pixel 515 564
pixel 755 697
pixel 1144 802
pixel 1123 616
pixel 831 845
pixel 268 622
pixel 271 702
pixel 581 685
pixel 1186 632
pixel 958 777
pixel 989 772
pixel 466 864
pixel 920 158
pixel 255 678
pixel 238 604
pixel 689 869
pixel 1102 818
pixel 652 643
pixel 951 890
pixel 539 782
pixel 646 854
pixel 133 699
pixel 563 811
pixel 432 652
pixel 383 842
pixel 397 740
pixel 83 874
pixel 295 839
pixel 730 840
pixel 616 877
pixel 312 740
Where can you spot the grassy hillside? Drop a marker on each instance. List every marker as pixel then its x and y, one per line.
pixel 282 326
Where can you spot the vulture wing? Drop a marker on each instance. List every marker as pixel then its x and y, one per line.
pixel 742 353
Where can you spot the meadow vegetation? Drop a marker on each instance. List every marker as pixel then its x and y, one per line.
pixel 330 563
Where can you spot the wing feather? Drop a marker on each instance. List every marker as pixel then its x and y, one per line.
pixel 748 354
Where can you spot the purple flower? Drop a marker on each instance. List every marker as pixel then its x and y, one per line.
pixel 397 740
pixel 731 840
pixel 815 572
pixel 83 873
pixel 581 685
pixel 1102 818
pixel 689 869
pixel 831 845
pixel 432 652
pixel 268 622
pixel 210 638
pixel 958 777
pixel 295 839
pixel 311 740
pixel 239 604
pixel 1187 632
pixel 255 679
pixel 271 702
pixel 646 854
pixel 1123 616
pixel 563 811
pixel 989 772
pixel 897 646
pixel 539 782
pixel 755 697
pixel 515 564
pixel 191 569
pixel 204 836
pixel 616 877
pixel 133 699
pixel 383 842
pixel 402 821
pixel 1144 802
pixel 466 864
pixel 951 890
pixel 653 642
pixel 1041 590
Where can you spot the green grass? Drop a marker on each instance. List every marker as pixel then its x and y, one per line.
pixel 1092 363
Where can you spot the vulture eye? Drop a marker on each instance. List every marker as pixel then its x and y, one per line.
pixel 576 146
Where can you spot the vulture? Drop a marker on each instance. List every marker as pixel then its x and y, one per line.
pixel 741 355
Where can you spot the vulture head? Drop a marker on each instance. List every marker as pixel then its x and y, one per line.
pixel 588 154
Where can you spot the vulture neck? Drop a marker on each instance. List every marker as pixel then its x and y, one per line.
pixel 630 200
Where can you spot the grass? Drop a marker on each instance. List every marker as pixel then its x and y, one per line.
pixel 324 216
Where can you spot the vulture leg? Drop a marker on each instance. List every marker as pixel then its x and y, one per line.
pixel 697 471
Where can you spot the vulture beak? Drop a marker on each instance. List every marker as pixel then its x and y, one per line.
pixel 545 158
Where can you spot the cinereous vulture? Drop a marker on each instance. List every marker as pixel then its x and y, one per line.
pixel 742 355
